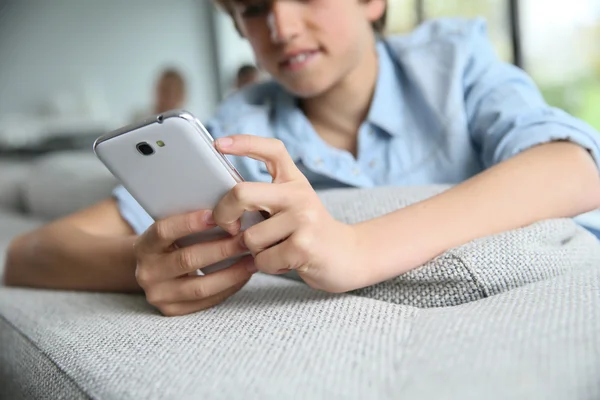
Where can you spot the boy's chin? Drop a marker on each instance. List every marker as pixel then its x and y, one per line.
pixel 307 90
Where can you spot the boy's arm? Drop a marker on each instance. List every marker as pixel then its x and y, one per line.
pixel 88 250
pixel 548 181
pixel 541 163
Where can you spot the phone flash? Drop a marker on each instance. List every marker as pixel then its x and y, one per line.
pixel 160 143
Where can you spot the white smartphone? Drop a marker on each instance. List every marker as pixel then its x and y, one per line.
pixel 170 166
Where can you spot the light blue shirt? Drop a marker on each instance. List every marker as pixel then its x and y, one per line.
pixel 444 109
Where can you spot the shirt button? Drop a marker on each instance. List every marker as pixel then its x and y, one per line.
pixel 355 172
pixel 318 162
pixel 373 163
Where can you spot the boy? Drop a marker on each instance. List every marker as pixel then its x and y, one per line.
pixel 346 109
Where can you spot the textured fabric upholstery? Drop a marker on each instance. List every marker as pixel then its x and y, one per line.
pixel 279 339
pixel 478 269
pixel 26 372
pixel 504 333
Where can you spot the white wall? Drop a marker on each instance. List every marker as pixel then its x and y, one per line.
pixel 115 48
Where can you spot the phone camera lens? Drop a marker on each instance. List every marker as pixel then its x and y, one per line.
pixel 145 148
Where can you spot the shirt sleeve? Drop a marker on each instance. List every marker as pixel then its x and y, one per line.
pixel 506 111
pixel 131 211
pixel 213 126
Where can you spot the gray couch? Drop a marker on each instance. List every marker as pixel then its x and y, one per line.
pixel 513 316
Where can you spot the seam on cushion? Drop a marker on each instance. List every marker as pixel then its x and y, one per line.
pixel 385 302
pixel 351 294
pixel 47 357
pixel 480 286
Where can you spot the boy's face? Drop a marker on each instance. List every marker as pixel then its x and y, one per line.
pixel 308 45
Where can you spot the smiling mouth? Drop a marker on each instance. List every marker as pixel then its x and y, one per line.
pixel 299 60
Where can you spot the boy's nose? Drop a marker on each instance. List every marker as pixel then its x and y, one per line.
pixel 284 21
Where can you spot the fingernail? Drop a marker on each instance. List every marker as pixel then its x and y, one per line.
pixel 224 142
pixel 208 218
pixel 251 267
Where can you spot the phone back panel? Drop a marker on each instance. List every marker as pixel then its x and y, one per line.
pixel 185 174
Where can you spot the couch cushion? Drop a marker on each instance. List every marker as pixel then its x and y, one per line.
pixel 62 183
pixel 280 339
pixel 12 225
pixel 13 175
pixel 478 269
pixel 27 373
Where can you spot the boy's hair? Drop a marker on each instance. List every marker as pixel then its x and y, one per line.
pixel 378 26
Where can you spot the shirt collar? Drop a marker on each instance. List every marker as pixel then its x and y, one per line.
pixel 385 111
pixel 386 106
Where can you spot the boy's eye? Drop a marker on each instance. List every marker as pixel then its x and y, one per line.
pixel 256 9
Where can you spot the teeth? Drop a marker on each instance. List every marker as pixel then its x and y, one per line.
pixel 298 58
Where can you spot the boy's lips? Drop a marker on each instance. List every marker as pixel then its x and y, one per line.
pixel 297 60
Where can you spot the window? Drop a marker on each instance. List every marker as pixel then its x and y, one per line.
pixel 555 41
pixel 402 16
pixel 496 13
pixel 562 53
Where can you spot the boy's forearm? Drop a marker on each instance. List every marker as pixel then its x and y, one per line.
pixel 63 257
pixel 549 181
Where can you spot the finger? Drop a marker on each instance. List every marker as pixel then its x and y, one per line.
pixel 291 254
pixel 159 237
pixel 188 307
pixel 201 287
pixel 251 196
pixel 191 258
pixel 188 259
pixel 261 236
pixel 268 150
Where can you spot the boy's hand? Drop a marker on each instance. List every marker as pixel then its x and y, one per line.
pixel 300 235
pixel 162 268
